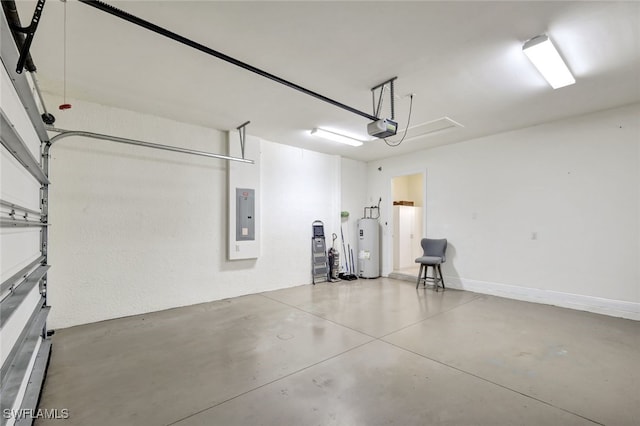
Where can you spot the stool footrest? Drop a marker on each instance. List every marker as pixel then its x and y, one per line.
pixel 436 279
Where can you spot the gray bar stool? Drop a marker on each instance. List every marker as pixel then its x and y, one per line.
pixel 434 256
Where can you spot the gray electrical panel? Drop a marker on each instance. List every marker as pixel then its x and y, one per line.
pixel 245 214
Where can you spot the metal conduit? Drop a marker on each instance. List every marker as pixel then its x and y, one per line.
pixel 66 133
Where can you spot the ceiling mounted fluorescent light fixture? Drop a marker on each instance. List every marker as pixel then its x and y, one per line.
pixel 336 137
pixel 547 60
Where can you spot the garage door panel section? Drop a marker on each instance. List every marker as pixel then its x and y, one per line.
pixel 17 185
pixel 17 145
pixel 20 246
pixel 16 114
pixel 17 322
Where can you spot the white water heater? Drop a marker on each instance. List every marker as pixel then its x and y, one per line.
pixel 368 248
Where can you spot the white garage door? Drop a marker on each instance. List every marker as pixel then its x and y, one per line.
pixel 24 346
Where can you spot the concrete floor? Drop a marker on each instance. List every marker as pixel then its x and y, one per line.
pixel 366 352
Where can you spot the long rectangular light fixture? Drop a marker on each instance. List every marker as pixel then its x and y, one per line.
pixel 336 137
pixel 541 51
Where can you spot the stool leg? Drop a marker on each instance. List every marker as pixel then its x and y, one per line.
pixel 435 278
pixel 441 276
pixel 426 274
pixel 419 275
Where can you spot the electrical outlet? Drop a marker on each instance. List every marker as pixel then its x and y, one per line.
pixel 534 235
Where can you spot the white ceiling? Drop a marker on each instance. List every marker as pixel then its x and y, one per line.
pixel 462 60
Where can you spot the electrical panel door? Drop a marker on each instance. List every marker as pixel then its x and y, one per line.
pixel 245 214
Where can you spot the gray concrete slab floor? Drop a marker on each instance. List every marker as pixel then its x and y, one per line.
pixel 365 352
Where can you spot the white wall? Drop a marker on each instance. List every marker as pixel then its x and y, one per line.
pixel 548 213
pixel 354 199
pixel 137 230
pixel 298 187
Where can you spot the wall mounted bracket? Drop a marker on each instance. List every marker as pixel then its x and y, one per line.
pixel 383 87
pixel 242 130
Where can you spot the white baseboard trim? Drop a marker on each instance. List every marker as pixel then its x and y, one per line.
pixel 598 305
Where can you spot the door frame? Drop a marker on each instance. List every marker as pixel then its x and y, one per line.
pixel 388 246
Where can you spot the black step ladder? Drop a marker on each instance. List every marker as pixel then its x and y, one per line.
pixel 319 263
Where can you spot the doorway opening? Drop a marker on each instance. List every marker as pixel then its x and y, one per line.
pixel 408 222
